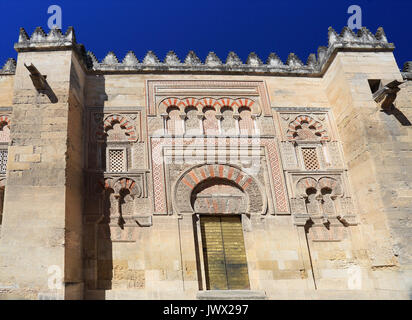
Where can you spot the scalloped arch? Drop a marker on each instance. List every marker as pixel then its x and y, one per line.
pixel 299 120
pixel 130 129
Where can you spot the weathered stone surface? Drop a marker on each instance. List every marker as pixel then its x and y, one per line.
pixel 112 164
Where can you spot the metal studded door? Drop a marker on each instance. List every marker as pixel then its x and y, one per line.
pixel 224 253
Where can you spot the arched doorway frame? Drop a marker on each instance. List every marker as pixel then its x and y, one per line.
pixel 181 204
pixel 191 177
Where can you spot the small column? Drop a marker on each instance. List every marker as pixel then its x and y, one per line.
pixel 183 118
pixel 255 125
pixel 325 153
pixel 164 117
pixel 219 117
pixel 236 116
pixel 201 117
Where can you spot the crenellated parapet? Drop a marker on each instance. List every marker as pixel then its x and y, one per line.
pixel 9 67
pixel 407 70
pixel 40 39
pixel 54 40
pixel 315 65
pixel 212 63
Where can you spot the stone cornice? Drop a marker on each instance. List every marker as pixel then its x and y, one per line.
pixel 315 66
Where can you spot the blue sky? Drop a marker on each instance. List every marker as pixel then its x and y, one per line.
pixel 262 26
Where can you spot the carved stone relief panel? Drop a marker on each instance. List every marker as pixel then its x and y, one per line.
pixel 258 160
pixel 266 126
pixel 4 141
pixel 192 123
pixel 289 158
pixel 139 160
pixel 155 126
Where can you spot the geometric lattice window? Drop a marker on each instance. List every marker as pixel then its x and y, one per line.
pixel 310 159
pixel 3 160
pixel 117 160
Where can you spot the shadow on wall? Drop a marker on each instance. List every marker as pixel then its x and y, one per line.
pixel 399 115
pixel 40 83
pixel 115 195
pixel 104 245
pixel 104 254
pixel 197 252
pixel 97 93
pixel 98 254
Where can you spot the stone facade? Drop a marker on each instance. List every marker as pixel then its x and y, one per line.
pixel 107 168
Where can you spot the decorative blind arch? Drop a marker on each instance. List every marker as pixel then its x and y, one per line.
pixel 257 200
pixel 4 128
pixel 318 184
pixel 201 103
pixel 110 120
pixel 304 127
pixel 117 184
pixel 4 119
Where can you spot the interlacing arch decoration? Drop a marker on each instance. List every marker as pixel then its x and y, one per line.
pixel 305 127
pixel 110 120
pixel 4 120
pixel 118 184
pixel 319 196
pixel 331 184
pixel 321 185
pixel 306 183
pixel 182 190
pixel 215 116
pixel 201 103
